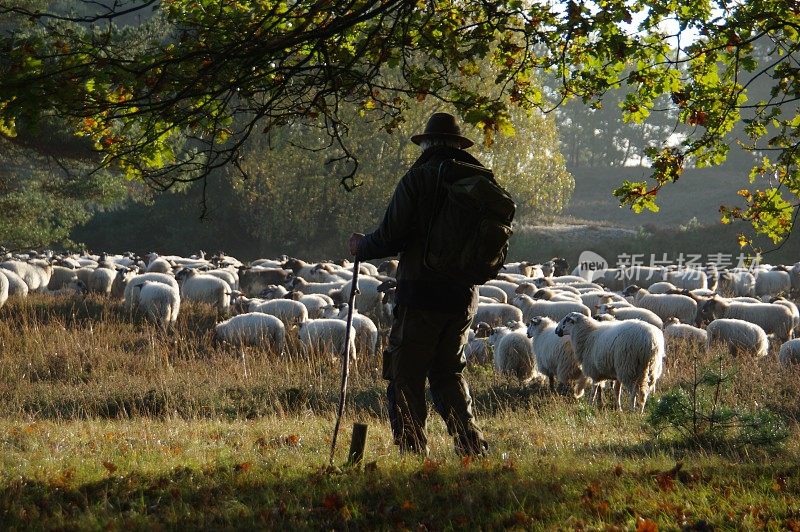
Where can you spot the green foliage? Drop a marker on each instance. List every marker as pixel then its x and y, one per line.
pixel 695 414
pixel 178 97
pixel 41 202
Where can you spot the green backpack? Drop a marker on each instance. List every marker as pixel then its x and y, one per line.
pixel 468 234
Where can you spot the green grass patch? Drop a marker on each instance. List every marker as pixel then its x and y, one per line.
pixel 105 422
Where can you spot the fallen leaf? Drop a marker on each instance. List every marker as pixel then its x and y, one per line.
pixel 618 470
pixel 407 505
pixel 111 468
pixel 332 502
pixel 244 467
pixel 592 491
pixel 430 466
pixel 665 482
pixel 646 525
pixel 292 440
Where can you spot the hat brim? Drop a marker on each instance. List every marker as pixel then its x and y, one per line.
pixel 465 142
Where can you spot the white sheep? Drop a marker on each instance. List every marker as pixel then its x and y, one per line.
pixel 84 274
pixel 314 303
pixel 731 284
pixel 269 263
pixel 365 329
pixel 327 336
pixel 792 308
pixel 611 279
pixel 596 298
pixel 132 297
pixel 205 289
pixel 624 313
pixel 661 287
pixel 676 332
pixel 273 291
pixel 495 292
pixel 16 285
pixel 290 312
pixel 554 358
pixel 36 274
pixel 226 275
pixel 643 276
pixel 531 289
pixel 3 290
pixel 773 283
pixel 553 294
pixel 299 268
pixel 687 278
pixel 61 277
pixel 476 351
pixel 789 352
pixel 664 306
pixel 160 265
pixel 300 284
pixel 525 268
pixel 630 352
pixel 159 301
pixel 511 351
pixel 121 280
pixel 102 280
pixel 794 276
pixel 254 329
pixel 496 313
pixel 774 319
pixel 506 286
pixel 369 298
pixel 552 309
pixel 738 336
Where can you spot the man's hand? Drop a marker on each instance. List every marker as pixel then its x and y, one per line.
pixel 354 242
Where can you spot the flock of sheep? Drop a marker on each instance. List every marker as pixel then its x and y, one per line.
pixel 532 320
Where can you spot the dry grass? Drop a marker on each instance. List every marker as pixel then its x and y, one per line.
pixel 107 422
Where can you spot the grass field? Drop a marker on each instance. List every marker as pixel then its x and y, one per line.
pixel 105 423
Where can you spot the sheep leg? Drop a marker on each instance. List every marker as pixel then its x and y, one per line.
pixel 617 387
pixel 597 396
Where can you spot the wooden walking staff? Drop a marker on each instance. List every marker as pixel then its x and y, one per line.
pixel 359 430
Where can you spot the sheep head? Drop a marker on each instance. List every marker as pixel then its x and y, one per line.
pixel 567 323
pixel 561 266
pixel 526 288
pixel 543 294
pixel 536 324
pixel 293 264
pixel 708 311
pixel 631 290
pixel 483 330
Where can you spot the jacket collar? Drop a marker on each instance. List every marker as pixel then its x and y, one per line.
pixel 439 153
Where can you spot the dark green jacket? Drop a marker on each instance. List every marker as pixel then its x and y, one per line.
pixel 403 231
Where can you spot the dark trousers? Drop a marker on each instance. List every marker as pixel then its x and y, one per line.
pixel 426 344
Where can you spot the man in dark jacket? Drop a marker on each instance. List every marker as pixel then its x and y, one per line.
pixel 432 313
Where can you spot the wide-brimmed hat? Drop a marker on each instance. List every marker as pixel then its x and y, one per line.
pixel 442 125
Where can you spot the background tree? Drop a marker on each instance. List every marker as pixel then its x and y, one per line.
pixel 41 201
pixel 175 104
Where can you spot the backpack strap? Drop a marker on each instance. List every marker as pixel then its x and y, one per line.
pixel 433 212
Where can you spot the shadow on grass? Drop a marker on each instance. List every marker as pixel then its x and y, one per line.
pixel 246 496
pixel 483 494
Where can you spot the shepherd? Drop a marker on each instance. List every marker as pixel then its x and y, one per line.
pixel 433 311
